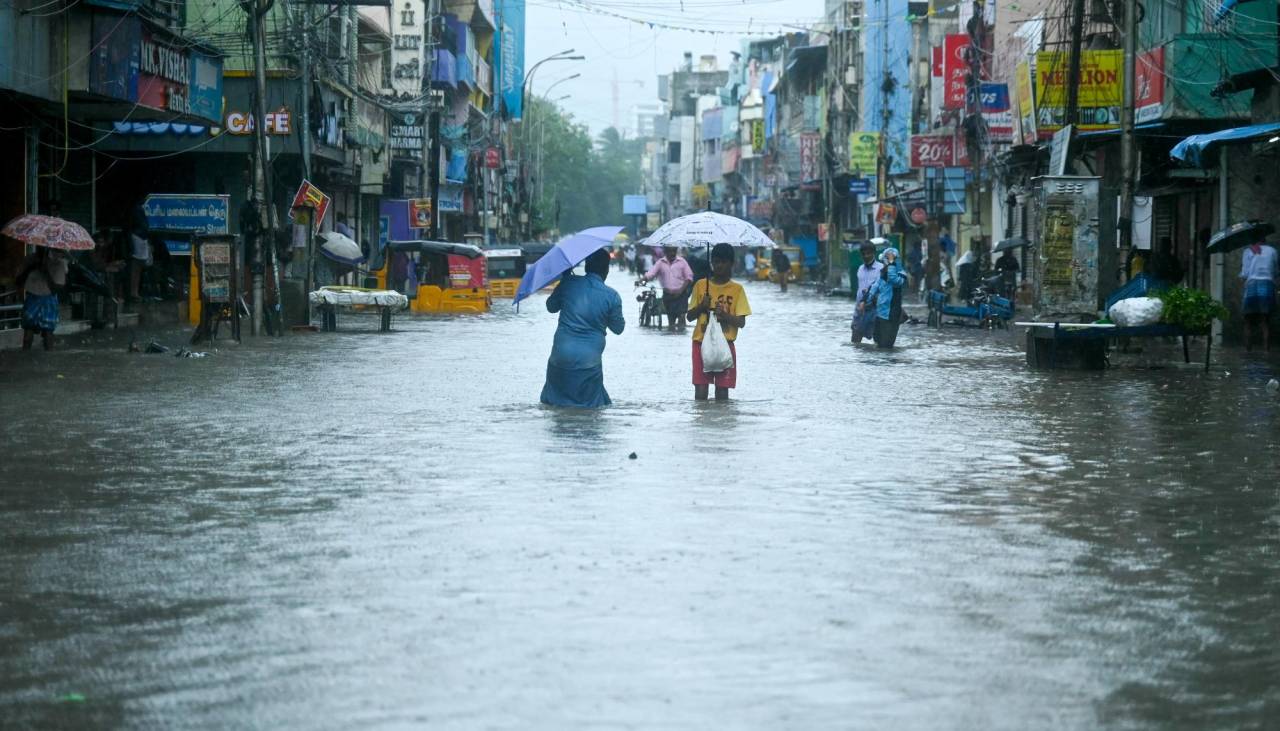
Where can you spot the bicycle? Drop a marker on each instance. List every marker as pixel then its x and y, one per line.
pixel 651 309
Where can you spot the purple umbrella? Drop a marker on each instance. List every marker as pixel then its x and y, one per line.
pixel 565 255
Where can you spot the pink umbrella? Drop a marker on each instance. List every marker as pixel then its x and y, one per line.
pixel 48 231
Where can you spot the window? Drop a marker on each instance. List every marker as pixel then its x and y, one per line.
pixel 673 152
pixel 406 15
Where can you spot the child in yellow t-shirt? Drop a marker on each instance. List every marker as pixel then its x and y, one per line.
pixel 728 301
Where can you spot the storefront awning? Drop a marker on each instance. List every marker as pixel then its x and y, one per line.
pixel 1197 150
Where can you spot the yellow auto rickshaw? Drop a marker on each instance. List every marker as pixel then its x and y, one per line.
pixel 439 276
pixel 505 268
pixel 764 263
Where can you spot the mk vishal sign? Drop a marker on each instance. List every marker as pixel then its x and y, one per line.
pixel 134 62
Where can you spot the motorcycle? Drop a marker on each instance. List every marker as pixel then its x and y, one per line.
pixel 651 309
pixel 985 304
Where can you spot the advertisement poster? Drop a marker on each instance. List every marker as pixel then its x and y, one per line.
pixel 420 212
pixel 997 111
pixel 509 56
pixel 1148 91
pixel 864 152
pixel 932 151
pixel 955 70
pixel 309 196
pixel 1100 90
pixel 1025 104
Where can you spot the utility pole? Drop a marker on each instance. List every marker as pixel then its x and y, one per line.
pixel 300 17
pixel 1128 153
pixel 1073 61
pixel 257 10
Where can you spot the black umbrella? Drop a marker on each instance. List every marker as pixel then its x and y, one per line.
pixel 1014 243
pixel 82 278
pixel 1238 236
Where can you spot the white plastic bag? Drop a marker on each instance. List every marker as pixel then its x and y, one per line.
pixel 716 356
pixel 1136 311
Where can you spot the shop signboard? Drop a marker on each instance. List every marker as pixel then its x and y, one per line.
pixel 205 214
pixel 492 158
pixel 864 152
pixel 279 122
pixel 859 186
pixel 997 111
pixel 955 70
pixel 1099 95
pixel 1024 105
pixel 810 147
pixel 1148 90
pixel 451 198
pixel 133 62
pixel 408 133
pixel 420 212
pixel 653 220
pixel 309 196
pixel 757 135
pixel 933 151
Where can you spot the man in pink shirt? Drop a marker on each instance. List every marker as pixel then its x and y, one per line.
pixel 675 277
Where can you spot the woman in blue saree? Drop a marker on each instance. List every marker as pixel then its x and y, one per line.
pixel 587 307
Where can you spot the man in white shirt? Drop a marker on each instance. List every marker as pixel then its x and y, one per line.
pixel 1258 271
pixel 864 313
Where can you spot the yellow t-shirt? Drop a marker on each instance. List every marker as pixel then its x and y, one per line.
pixel 730 293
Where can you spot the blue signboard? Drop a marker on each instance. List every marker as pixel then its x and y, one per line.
pixel 206 214
pixel 995 97
pixel 634 205
pixel 859 186
pixel 204 95
pixel 509 56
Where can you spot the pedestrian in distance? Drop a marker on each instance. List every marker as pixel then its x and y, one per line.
pixel 915 264
pixel 676 277
pixel 43 274
pixel 1008 267
pixel 781 268
pixel 726 300
pixel 1259 271
pixel 888 301
pixel 864 312
pixel 588 307
pixel 749 264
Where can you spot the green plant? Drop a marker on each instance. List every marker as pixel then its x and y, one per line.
pixel 1192 309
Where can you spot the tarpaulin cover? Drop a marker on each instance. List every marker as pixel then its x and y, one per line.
pixel 1197 150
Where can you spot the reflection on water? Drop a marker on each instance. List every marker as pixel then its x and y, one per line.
pixel 358 529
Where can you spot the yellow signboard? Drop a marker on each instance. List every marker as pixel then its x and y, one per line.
pixel 1101 90
pixel 864 152
pixel 1025 105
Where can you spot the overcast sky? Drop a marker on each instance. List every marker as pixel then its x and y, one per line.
pixel 634 53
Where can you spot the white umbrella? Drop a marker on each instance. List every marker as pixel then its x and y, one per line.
pixel 707 228
pixel 341 249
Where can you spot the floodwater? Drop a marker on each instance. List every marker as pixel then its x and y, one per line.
pixel 387 531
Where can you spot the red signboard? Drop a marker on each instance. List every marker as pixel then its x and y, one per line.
pixel 1148 88
pixel 955 70
pixel 309 196
pixel 492 158
pixel 933 151
pixel 937 62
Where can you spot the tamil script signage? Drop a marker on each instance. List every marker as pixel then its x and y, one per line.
pixel 955 70
pixel 864 152
pixel 205 214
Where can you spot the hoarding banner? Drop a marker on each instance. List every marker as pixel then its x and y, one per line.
pixel 955 70
pixel 1148 91
pixel 1024 93
pixel 997 111
pixel 932 151
pixel 864 152
pixel 634 205
pixel 309 196
pixel 1100 90
pixel 510 56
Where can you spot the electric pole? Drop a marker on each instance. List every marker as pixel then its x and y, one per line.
pixel 257 11
pixel 1128 153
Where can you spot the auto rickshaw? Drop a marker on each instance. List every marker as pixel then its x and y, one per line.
pixel 764 263
pixel 505 268
pixel 439 276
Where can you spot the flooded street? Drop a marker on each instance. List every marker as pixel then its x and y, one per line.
pixel 384 531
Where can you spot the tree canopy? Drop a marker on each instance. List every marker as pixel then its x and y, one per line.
pixel 582 181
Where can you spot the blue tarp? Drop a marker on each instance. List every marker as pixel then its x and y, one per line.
pixel 1197 150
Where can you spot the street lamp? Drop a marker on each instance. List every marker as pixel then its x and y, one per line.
pixel 566 55
pixel 557 83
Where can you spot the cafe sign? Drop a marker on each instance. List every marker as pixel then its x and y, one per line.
pixel 279 122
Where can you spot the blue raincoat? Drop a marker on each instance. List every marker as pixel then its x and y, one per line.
pixel 575 376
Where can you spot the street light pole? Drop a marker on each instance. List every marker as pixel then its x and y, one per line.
pixel 524 132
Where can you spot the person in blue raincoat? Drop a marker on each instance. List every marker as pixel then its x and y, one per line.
pixel 575 376
pixel 888 299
